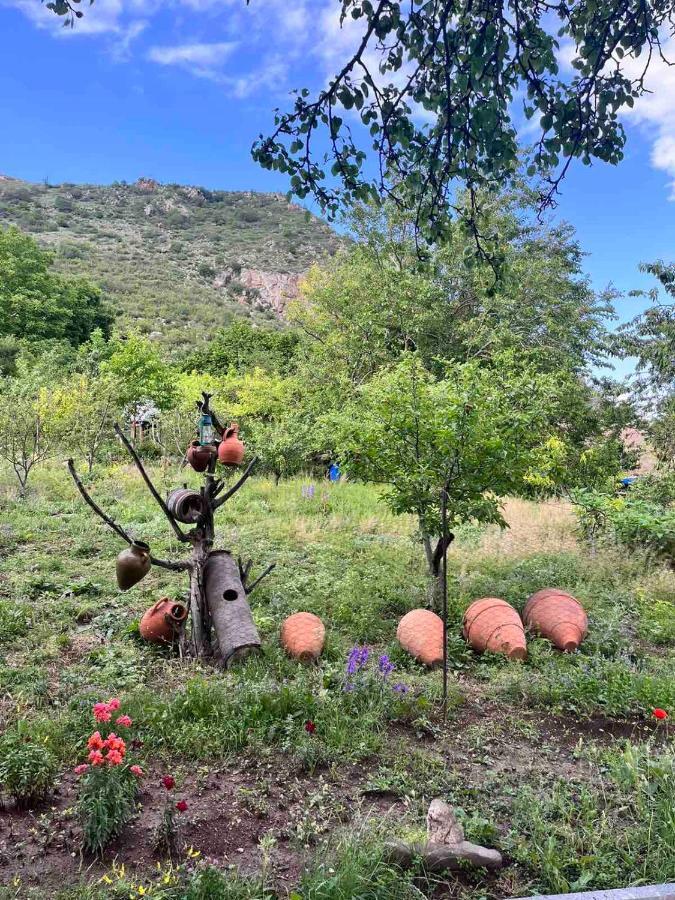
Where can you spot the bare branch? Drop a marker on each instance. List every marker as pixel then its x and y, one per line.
pixel 153 490
pixel 111 523
pixel 255 584
pixel 237 485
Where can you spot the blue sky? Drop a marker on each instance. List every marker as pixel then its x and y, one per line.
pixel 178 89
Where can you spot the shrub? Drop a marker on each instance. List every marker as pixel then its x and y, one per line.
pixel 109 785
pixel 28 769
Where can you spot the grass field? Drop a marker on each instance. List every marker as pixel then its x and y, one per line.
pixel 557 761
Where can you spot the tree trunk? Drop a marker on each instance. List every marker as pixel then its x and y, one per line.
pixel 230 613
pixel 434 556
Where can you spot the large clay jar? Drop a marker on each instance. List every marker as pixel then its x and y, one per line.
pixel 199 456
pixel 558 616
pixel 420 633
pixel 493 624
pixel 161 622
pixel 302 636
pixel 133 564
pixel 231 448
pixel 185 505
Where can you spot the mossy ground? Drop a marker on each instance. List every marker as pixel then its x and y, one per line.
pixel 556 761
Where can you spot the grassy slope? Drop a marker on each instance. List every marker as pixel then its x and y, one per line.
pixel 534 755
pixel 155 251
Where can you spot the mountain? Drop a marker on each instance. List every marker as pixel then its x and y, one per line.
pixel 176 262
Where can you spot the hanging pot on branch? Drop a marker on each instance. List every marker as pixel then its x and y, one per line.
pixel 230 613
pixel 185 505
pixel 231 449
pixel 133 564
pixel 199 456
pixel 493 624
pixel 161 622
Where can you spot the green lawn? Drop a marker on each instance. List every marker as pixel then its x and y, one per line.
pixel 556 761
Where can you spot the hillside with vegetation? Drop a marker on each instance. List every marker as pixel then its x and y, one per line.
pixel 175 262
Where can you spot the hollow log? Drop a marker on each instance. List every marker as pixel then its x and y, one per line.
pixel 230 613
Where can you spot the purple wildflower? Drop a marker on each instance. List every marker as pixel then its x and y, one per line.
pixel 349 687
pixel 357 659
pixel 400 688
pixel 385 665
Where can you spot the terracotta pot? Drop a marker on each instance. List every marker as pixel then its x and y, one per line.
pixel 231 448
pixel 185 505
pixel 558 616
pixel 199 456
pixel 420 633
pixel 303 635
pixel 132 565
pixel 161 622
pixel 493 624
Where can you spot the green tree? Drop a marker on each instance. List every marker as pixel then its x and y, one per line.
pixel 37 304
pixel 242 347
pixel 139 373
pixel 473 432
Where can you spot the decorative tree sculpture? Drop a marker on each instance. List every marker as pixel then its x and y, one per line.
pixel 222 626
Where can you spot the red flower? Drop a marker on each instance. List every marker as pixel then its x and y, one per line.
pixel 181 806
pixel 95 742
pixel 114 757
pixel 137 771
pixel 169 782
pixel 123 720
pixel 81 769
pixel 96 758
pixel 660 714
pixel 310 727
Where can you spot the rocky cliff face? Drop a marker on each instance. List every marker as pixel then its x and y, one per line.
pixel 261 290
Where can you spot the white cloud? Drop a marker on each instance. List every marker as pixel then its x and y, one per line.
pixel 202 60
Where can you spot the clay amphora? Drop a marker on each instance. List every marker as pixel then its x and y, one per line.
pixel 133 563
pixel 161 622
pixel 185 505
pixel 493 624
pixel 199 457
pixel 303 635
pixel 420 633
pixel 558 616
pixel 231 448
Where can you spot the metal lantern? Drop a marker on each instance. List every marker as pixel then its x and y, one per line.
pixel 206 430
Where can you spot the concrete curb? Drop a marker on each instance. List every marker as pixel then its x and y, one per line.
pixel 650 892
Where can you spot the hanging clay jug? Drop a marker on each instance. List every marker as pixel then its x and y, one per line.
pixel 231 448
pixel 185 505
pixel 420 633
pixel 133 564
pixel 302 636
pixel 161 622
pixel 199 456
pixel 558 616
pixel 493 624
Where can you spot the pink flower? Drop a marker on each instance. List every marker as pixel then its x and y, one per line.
pixel 96 758
pixel 81 769
pixel 181 806
pixel 101 712
pixel 113 704
pixel 137 771
pixel 123 720
pixel 169 782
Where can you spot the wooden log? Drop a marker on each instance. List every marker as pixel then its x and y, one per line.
pixel 230 613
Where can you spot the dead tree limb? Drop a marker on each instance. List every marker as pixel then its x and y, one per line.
pixel 111 523
pixel 153 490
pixel 230 613
pixel 251 587
pixel 230 492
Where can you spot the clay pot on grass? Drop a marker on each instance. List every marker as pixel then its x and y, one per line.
pixel 133 564
pixel 558 616
pixel 420 633
pixel 161 622
pixel 493 624
pixel 200 456
pixel 303 635
pixel 231 449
